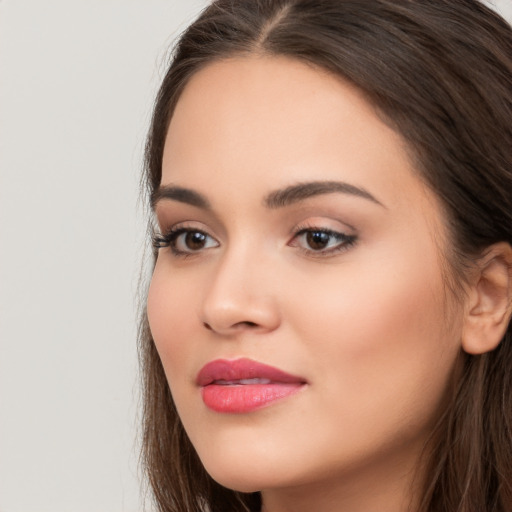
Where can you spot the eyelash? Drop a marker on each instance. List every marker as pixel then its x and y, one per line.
pixel 170 238
pixel 344 241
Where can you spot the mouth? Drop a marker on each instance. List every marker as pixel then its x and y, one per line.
pixel 244 385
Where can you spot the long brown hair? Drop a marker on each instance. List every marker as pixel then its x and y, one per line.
pixel 440 73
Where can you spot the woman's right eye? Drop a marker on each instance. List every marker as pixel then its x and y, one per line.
pixel 185 241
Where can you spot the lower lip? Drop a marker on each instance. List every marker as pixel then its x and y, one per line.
pixel 247 397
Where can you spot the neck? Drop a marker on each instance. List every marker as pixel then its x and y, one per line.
pixel 389 485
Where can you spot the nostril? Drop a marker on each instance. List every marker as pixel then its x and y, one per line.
pixel 248 324
pixel 245 325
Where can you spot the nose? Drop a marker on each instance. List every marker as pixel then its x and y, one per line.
pixel 241 296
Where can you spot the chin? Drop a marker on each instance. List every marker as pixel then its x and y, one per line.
pixel 247 480
pixel 245 470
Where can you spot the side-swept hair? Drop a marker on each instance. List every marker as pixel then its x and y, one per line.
pixel 440 73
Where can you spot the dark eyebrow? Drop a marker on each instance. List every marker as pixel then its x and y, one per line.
pixel 183 195
pixel 277 199
pixel 302 191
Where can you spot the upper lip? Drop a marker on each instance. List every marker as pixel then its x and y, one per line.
pixel 239 369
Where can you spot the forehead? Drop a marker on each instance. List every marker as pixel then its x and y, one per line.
pixel 258 123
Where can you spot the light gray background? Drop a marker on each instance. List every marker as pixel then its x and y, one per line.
pixel 77 78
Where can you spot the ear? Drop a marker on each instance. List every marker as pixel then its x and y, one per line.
pixel 489 305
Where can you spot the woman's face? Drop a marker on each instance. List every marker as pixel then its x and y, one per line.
pixel 297 235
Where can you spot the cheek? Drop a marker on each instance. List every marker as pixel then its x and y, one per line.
pixel 365 305
pixel 170 306
pixel 378 337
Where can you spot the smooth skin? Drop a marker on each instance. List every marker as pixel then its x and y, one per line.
pixel 365 317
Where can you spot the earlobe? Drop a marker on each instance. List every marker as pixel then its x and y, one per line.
pixel 489 301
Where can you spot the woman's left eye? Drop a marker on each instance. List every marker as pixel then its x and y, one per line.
pixel 322 241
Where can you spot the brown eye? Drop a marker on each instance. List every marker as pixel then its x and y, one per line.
pixel 186 241
pixel 195 240
pixel 322 241
pixel 318 240
pixel 183 241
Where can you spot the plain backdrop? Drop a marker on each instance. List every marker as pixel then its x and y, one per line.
pixel 77 79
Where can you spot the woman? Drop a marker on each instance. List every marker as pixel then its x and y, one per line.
pixel 328 317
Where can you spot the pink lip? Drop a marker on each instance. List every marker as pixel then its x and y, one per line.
pixel 225 387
